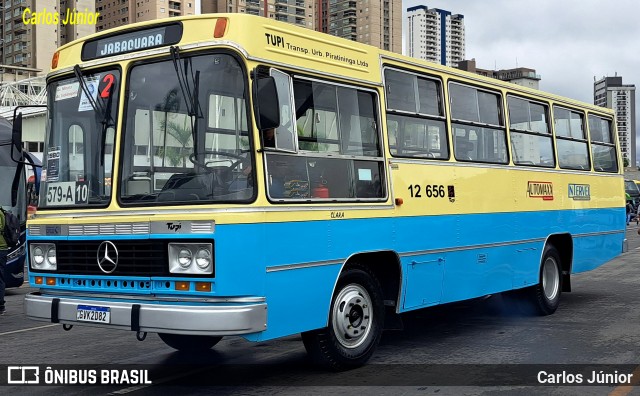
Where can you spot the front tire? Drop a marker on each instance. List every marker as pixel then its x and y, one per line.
pixel 189 343
pixel 356 320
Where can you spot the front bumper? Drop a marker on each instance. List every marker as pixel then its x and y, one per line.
pixel 228 317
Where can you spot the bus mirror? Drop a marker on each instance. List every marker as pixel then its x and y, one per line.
pixel 16 137
pixel 267 106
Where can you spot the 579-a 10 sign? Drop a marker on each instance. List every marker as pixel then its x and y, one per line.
pixel 67 193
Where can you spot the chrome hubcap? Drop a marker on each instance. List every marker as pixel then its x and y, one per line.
pixel 352 316
pixel 550 278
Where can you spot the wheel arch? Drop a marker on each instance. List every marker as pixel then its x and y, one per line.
pixel 564 245
pixel 385 265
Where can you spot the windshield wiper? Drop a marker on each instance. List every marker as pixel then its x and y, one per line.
pixel 85 89
pixel 191 99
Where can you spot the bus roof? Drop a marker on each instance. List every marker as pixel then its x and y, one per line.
pixel 282 43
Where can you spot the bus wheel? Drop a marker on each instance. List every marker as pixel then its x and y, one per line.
pixel 544 298
pixel 356 321
pixel 189 343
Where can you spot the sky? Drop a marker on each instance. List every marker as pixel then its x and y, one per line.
pixel 567 42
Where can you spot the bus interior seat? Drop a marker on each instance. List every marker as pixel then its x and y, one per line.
pixel 185 187
pixel 137 185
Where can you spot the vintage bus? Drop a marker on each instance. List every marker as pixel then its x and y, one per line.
pixel 14 198
pixel 229 174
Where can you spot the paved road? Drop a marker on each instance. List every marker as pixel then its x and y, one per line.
pixel 476 342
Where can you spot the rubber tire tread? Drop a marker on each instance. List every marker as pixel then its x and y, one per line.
pixel 322 345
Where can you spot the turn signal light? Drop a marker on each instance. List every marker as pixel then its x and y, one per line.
pixel 182 286
pixel 203 286
pixel 39 280
pixel 399 201
pixel 221 26
pixel 51 281
pixel 54 60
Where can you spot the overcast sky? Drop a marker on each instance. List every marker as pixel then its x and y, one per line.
pixel 567 42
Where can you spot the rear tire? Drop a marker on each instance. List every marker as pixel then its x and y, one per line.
pixel 544 298
pixel 356 320
pixel 189 343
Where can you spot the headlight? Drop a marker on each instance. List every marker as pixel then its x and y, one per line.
pixel 43 256
pixel 51 255
pixel 38 256
pixel 184 258
pixel 183 255
pixel 203 258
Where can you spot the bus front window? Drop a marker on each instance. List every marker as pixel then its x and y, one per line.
pixel 78 156
pixel 187 138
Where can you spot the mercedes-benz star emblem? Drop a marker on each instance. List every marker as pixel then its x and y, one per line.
pixel 107 257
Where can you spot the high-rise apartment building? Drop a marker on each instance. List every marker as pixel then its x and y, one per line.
pixel 114 13
pixel 612 93
pixel 31 45
pixel 435 35
pixel 373 22
pixel 297 12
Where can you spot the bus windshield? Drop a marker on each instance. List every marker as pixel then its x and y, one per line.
pixel 80 138
pixel 186 139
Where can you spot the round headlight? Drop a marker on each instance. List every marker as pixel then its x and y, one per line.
pixel 38 255
pixel 184 258
pixel 203 258
pixel 51 256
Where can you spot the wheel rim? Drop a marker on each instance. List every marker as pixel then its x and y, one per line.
pixel 352 316
pixel 550 278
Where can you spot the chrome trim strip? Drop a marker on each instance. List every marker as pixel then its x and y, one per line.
pixel 592 234
pixel 436 251
pixel 183 227
pixel 287 267
pixel 212 211
pixel 129 297
pixel 217 320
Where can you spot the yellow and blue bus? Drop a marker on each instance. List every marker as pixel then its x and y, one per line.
pixel 229 174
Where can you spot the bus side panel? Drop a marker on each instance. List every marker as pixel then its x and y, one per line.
pixel 593 251
pixel 298 300
pixel 477 272
pixel 304 260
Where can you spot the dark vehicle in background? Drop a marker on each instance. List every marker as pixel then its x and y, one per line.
pixel 13 198
pixel 631 188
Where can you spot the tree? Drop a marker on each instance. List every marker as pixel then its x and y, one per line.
pixel 626 162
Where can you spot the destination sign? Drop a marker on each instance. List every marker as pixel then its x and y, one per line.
pixel 131 41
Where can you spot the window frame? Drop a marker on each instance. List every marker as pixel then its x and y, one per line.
pixel 305 155
pixel 585 139
pixel 549 133
pixel 613 144
pixel 416 115
pixel 478 124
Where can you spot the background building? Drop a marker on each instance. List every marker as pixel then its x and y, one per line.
pixel 612 93
pixel 115 13
pixel 31 46
pixel 520 75
pixel 435 35
pixel 297 12
pixel 374 22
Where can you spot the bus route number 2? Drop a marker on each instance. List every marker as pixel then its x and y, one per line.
pixel 430 191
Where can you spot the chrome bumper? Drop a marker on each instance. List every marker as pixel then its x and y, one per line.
pixel 217 319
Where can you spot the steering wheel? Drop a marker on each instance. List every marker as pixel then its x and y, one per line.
pixel 220 171
pixel 205 164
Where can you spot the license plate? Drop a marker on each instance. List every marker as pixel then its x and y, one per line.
pixel 91 313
